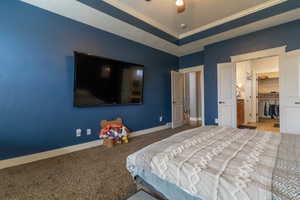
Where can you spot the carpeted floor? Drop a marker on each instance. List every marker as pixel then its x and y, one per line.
pixel 93 174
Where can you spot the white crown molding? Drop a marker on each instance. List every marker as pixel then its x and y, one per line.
pixel 142 17
pixel 66 150
pixel 259 54
pixel 82 13
pixel 243 30
pixel 293 53
pixel 158 25
pixel 238 15
pixel 192 69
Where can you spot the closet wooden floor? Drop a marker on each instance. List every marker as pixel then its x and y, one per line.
pixel 266 125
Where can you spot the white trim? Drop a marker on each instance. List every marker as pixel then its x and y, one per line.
pixel 191 69
pixel 150 130
pixel 293 52
pixel 259 54
pixel 158 25
pixel 82 13
pixel 195 119
pixel 142 17
pixel 66 150
pixel 47 154
pixel 199 68
pixel 283 18
pixel 238 15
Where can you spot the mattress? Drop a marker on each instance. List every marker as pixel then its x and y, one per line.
pixel 214 163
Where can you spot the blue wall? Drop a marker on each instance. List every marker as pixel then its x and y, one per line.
pixel 286 34
pixel 36 80
pixel 191 60
pixel 36 76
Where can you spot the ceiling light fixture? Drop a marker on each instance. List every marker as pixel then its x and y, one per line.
pixel 179 2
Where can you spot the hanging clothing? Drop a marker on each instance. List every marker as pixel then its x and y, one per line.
pixel 272 111
pixel 268 108
pixel 277 111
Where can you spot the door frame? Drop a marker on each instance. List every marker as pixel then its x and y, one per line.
pixel 256 55
pixel 199 68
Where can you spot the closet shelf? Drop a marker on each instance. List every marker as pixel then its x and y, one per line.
pixel 268 96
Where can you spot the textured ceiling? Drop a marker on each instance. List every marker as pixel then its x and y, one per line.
pixel 198 12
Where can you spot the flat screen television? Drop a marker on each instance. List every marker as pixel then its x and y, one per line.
pixel 102 81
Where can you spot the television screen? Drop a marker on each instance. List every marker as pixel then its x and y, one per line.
pixel 102 81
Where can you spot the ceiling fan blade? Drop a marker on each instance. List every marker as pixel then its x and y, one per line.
pixel 181 9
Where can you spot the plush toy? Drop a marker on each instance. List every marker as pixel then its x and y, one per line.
pixel 109 127
pixel 124 134
pixel 114 129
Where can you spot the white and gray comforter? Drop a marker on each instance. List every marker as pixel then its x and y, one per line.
pixel 218 163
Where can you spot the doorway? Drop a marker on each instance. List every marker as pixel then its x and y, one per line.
pixel 257 89
pixel 289 88
pixel 192 98
pixel 188 97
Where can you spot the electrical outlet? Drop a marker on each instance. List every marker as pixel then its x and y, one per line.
pixel 216 120
pixel 88 131
pixel 78 132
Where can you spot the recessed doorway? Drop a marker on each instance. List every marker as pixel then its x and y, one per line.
pixel 257 89
pixel 188 97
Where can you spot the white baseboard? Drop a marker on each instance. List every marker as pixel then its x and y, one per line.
pixel 61 151
pixel 150 130
pixel 195 119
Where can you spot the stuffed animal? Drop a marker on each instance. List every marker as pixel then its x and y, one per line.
pixel 114 129
pixel 124 134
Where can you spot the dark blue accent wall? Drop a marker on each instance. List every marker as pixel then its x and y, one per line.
pixel 192 60
pixel 36 80
pixel 286 34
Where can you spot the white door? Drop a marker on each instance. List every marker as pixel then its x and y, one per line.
pixel 227 95
pixel 289 81
pixel 177 80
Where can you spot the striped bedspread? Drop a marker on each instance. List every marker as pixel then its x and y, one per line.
pixel 218 163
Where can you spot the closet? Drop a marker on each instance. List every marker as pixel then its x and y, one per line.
pixel 258 89
pixel 238 82
pixel 268 98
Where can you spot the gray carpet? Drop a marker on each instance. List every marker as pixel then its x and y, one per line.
pixel 93 174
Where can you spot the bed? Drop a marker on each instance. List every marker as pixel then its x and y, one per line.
pixel 219 163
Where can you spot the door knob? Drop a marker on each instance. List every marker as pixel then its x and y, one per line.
pixel 297 102
pixel 221 102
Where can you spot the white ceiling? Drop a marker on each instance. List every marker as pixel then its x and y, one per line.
pixel 198 13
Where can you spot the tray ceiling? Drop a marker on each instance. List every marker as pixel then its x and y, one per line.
pixel 198 13
pixel 136 20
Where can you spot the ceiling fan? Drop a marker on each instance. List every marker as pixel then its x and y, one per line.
pixel 180 6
